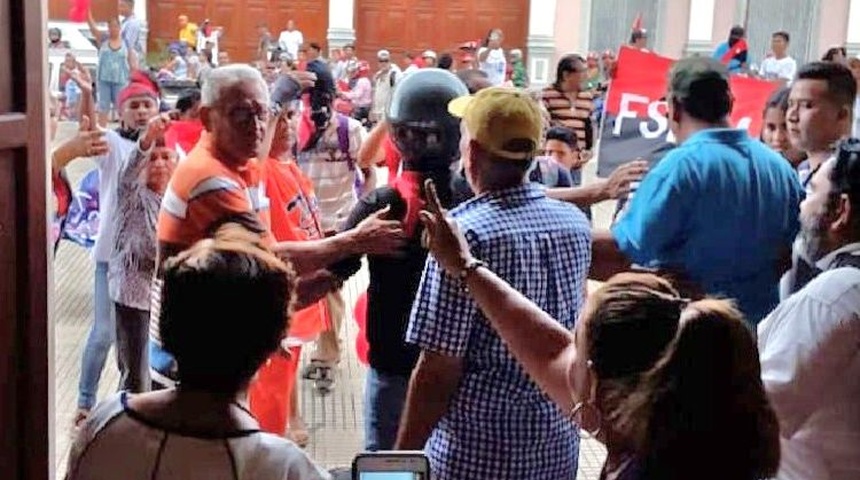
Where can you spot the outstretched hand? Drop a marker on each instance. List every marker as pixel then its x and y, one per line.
pixel 376 235
pixel 90 141
pixel 619 182
pixel 442 235
pixel 155 129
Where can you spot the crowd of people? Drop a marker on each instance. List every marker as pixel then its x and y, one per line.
pixel 723 343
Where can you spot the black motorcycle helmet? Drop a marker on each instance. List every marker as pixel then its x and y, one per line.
pixel 421 127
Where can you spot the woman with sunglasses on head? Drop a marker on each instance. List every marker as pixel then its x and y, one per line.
pixel 672 388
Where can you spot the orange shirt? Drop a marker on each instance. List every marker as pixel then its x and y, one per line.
pixel 204 191
pixel 294 217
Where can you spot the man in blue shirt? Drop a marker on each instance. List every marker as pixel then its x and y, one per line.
pixel 479 414
pixel 719 212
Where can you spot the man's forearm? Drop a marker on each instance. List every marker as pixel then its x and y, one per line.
pixel 429 397
pixel 312 255
pixel 606 258
pixel 313 287
pixel 64 154
pixel 584 196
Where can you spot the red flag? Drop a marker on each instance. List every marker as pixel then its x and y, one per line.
pixel 637 23
pixel 78 12
pixel 635 124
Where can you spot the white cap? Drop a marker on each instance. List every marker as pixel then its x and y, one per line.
pixel 429 54
pixel 383 55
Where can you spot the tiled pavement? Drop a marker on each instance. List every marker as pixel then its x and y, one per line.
pixel 335 421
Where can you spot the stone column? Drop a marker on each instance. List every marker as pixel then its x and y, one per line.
pixel 852 41
pixel 341 29
pixel 541 42
pixel 700 30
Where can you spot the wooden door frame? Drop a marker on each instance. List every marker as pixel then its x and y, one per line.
pixel 26 404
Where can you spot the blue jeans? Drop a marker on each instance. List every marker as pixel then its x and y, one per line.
pixel 108 96
pixel 384 398
pixel 102 336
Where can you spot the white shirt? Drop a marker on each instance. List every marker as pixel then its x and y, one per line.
pixel 109 165
pixel 290 41
pixel 494 66
pixel 773 68
pixel 115 443
pixel 334 178
pixel 810 362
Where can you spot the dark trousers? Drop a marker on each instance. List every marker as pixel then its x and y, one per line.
pixel 132 348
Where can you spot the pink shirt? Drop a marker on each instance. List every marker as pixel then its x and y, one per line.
pixel 362 94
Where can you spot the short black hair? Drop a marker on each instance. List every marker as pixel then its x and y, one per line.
pixel 841 86
pixel 566 64
pixel 783 34
pixel 637 35
pixel 845 177
pixel 831 53
pixel 225 307
pixel 563 134
pixel 187 99
pixel 446 60
pixel 700 87
pixel 316 46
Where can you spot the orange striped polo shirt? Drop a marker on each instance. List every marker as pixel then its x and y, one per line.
pixel 573 115
pixel 204 191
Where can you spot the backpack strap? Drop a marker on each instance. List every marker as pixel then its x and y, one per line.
pixel 343 139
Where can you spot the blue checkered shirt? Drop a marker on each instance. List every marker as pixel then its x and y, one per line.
pixel 499 424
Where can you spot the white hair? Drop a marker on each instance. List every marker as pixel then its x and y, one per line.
pixel 221 78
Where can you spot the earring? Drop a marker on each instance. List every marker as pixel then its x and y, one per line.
pixel 577 416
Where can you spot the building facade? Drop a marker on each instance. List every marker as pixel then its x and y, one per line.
pixel 543 29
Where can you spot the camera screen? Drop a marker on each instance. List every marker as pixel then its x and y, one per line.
pixel 391 476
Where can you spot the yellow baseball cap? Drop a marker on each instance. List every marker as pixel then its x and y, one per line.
pixel 505 121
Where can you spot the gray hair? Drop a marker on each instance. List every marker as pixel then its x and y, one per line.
pixel 221 78
pixel 517 53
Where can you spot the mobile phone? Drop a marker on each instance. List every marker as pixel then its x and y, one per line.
pixel 401 465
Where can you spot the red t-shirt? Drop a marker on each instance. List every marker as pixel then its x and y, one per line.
pixel 392 158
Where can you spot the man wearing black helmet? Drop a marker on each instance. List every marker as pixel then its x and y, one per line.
pixel 428 137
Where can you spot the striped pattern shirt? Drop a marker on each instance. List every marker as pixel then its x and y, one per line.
pixel 575 115
pixel 203 191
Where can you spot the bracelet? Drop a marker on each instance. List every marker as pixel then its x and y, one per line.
pixel 471 265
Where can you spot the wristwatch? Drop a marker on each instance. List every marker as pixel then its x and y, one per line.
pixel 470 266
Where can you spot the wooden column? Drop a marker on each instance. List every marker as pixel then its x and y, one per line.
pixel 26 375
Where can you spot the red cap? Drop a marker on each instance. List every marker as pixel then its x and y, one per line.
pixel 139 85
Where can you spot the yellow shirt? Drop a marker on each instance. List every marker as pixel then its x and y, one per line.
pixel 188 34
